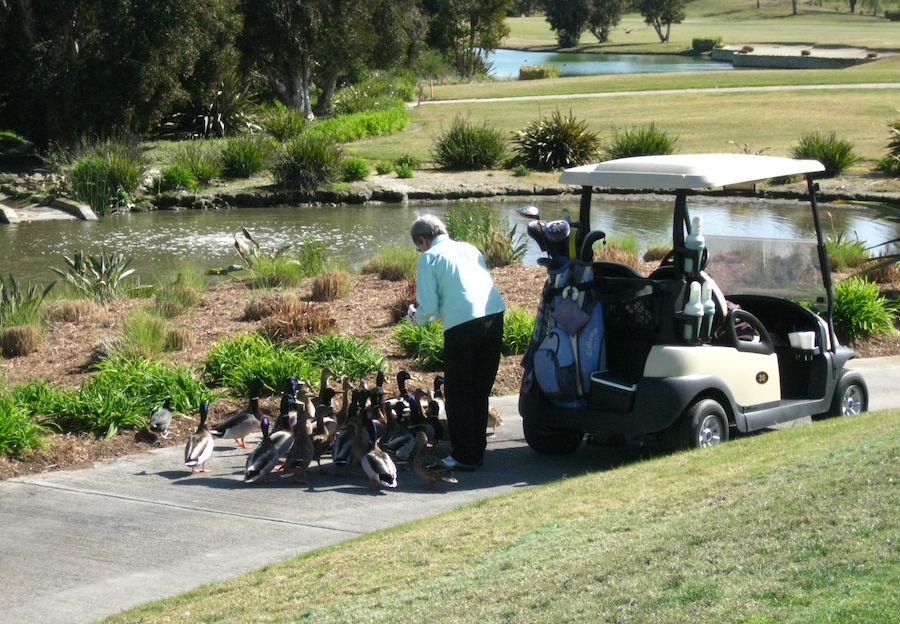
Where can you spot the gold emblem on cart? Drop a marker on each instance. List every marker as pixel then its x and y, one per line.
pixel 762 377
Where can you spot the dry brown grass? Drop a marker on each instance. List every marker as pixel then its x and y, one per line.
pixel 331 286
pixel 74 311
pixel 268 305
pixel 20 340
pixel 294 323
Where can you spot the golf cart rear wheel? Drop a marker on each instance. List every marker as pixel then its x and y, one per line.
pixel 550 440
pixel 851 396
pixel 702 425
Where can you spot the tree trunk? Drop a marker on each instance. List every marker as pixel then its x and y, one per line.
pixel 794 6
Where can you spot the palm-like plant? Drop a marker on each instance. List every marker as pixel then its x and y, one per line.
pixel 102 278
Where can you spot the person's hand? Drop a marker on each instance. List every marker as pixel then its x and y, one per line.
pixel 411 314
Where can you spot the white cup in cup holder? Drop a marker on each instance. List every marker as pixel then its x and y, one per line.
pixel 804 340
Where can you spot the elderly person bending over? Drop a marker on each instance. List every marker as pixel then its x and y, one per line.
pixel 454 285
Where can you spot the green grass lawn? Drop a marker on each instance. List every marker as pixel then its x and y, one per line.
pixel 798 525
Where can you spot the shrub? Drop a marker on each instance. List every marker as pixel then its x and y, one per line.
pixel 331 286
pixel 859 310
pixel 102 278
pixel 538 72
pixel 143 336
pixel 106 175
pixel 893 16
pixel 231 111
pixel 555 142
pixel 394 263
pixel 198 158
pixel 20 340
pixel 355 170
pixel 283 123
pixel 245 156
pixel 520 171
pixel 405 172
pixel 307 162
pixel 422 343
pixel 407 160
pixel 518 325
pixel 234 362
pixel 376 91
pixel 469 222
pixel 643 141
pixel 465 146
pixel 352 356
pixel 701 45
pixel 836 154
pixel 890 164
pixel 383 167
pixel 173 299
pixel 173 178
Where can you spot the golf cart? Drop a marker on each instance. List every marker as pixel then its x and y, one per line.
pixel 727 332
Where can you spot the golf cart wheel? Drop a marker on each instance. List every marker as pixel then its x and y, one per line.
pixel 702 425
pixel 851 396
pixel 550 440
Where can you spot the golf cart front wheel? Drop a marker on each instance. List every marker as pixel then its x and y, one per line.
pixel 702 425
pixel 851 396
pixel 550 440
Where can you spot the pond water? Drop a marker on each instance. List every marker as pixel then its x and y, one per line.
pixel 506 63
pixel 160 240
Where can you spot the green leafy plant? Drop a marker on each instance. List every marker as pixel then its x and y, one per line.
pixel 501 247
pixel 375 91
pixel 468 147
pixel 518 325
pixel 199 158
pixel 348 355
pixel 405 172
pixel 423 343
pixel 383 167
pixel 102 278
pixel 836 154
pixel 844 254
pixel 173 178
pixel 143 335
pixel 278 268
pixel 355 170
pixel 18 306
pixel 233 363
pixel 231 111
pixel 407 160
pixel 640 141
pixel 245 156
pixel 283 123
pixel 860 310
pixel 470 222
pixel 356 126
pixel 555 142
pixel 19 431
pixel 307 162
pixel 890 163
pixel 105 174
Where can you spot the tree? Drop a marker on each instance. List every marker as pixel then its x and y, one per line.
pixel 88 66
pixel 466 30
pixel 661 14
pixel 605 14
pixel 568 18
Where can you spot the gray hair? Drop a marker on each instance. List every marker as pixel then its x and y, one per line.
pixel 428 226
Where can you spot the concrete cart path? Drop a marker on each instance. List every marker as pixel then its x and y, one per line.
pixel 80 545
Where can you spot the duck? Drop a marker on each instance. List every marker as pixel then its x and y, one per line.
pixel 242 423
pixel 303 451
pixel 425 466
pixel 418 415
pixel 397 440
pixel 200 444
pixel 290 390
pixel 342 414
pixel 404 396
pixel 282 435
pixel 380 468
pixel 161 419
pixel 494 420
pixel 262 460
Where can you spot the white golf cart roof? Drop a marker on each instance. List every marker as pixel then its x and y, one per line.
pixel 686 171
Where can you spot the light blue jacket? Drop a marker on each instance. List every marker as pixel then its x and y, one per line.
pixel 453 284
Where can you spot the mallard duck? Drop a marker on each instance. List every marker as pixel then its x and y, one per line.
pixel 282 435
pixel 303 451
pixel 494 420
pixel 437 393
pixel 403 397
pixel 380 468
pixel 418 419
pixel 397 440
pixel 243 422
pixel 426 467
pixel 161 419
pixel 200 444
pixel 290 391
pixel 262 459
pixel 342 414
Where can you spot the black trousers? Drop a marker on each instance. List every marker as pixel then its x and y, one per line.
pixel 471 360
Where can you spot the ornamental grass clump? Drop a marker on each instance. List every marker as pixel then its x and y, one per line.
pixel 469 147
pixel 424 344
pixel 105 174
pixel 295 323
pixel 102 278
pixel 20 432
pixel 307 162
pixel 200 159
pixel 20 340
pixel 331 285
pixel 555 142
pixel 836 154
pixel 518 325
pixel 245 156
pixel 394 263
pixel 640 141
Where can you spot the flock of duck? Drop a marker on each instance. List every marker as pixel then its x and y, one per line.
pixel 370 429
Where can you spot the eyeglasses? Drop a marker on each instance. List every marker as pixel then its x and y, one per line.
pixel 419 245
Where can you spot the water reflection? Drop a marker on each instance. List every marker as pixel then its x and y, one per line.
pixel 158 241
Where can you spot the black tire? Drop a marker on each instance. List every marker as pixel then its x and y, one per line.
pixel 851 396
pixel 550 440
pixel 702 425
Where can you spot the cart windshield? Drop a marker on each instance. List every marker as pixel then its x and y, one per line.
pixel 787 269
